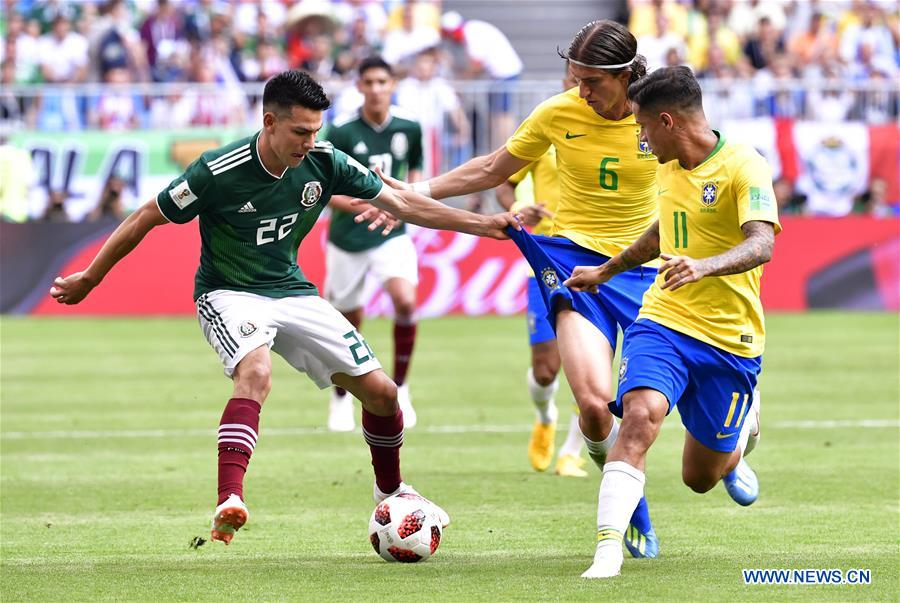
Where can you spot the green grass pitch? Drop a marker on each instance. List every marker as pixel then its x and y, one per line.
pixel 108 471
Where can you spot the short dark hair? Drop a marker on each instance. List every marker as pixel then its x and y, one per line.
pixel 374 62
pixel 291 88
pixel 672 88
pixel 605 42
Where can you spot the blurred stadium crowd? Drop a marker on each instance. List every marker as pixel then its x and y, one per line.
pixel 824 60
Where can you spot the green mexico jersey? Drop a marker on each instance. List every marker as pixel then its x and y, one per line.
pixel 395 147
pixel 252 221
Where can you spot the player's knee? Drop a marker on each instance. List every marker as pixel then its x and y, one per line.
pixel 594 412
pixel 544 372
pixel 381 398
pixel 644 407
pixel 697 480
pixel 637 414
pixel 254 381
pixel 405 308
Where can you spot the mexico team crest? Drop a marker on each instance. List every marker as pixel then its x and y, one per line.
pixel 709 194
pixel 550 278
pixel 399 145
pixel 247 328
pixel 312 191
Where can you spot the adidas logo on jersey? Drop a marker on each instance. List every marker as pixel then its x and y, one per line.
pixel 360 148
pixel 247 208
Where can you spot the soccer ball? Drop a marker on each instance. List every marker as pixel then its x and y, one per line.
pixel 405 528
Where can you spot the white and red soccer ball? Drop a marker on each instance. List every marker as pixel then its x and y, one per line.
pixel 405 528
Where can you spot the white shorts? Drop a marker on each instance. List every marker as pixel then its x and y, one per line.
pixel 346 271
pixel 305 330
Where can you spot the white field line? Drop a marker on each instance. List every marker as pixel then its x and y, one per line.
pixel 437 429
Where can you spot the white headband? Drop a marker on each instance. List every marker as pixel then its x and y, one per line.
pixel 628 64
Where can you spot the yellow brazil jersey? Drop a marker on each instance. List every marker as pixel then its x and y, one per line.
pixel 607 177
pixel 545 184
pixel 701 212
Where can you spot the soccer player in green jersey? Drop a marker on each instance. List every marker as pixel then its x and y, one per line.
pixel 377 136
pixel 256 200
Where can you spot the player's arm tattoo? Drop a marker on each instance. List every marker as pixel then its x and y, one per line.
pixel 645 249
pixel 755 250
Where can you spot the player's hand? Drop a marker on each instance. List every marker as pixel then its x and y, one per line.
pixel 71 289
pixel 680 270
pixel 495 226
pixel 532 214
pixel 393 182
pixel 376 217
pixel 586 279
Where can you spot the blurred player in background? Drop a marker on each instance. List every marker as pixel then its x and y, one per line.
pixel 376 136
pixel 537 208
pixel 607 181
pixel 256 199
pixel 699 338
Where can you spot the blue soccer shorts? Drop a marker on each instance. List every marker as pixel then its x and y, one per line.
pixel 712 388
pixel 539 329
pixel 554 258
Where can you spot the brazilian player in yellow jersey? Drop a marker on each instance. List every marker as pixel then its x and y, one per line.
pixel 607 180
pixel 699 338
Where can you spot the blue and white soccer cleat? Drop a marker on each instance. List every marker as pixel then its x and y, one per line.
pixel 742 484
pixel 641 545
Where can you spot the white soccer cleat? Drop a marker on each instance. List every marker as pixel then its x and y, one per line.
pixel 607 563
pixel 340 412
pixel 409 492
pixel 753 418
pixel 228 518
pixel 405 401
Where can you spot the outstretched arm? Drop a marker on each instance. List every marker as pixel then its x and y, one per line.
pixel 532 213
pixel 476 175
pixel 755 250
pixel 423 211
pixel 646 248
pixel 75 287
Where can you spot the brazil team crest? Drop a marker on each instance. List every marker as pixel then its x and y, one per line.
pixel 709 194
pixel 550 278
pixel 623 367
pixel 312 191
pixel 643 147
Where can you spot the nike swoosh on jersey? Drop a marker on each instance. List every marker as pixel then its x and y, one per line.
pixel 570 136
pixel 722 436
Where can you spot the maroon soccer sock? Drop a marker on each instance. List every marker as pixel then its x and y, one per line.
pixel 404 340
pixel 237 439
pixel 384 435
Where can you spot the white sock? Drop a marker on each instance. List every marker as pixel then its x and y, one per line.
pixel 574 439
pixel 542 396
pixel 620 491
pixel 598 450
pixel 748 426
